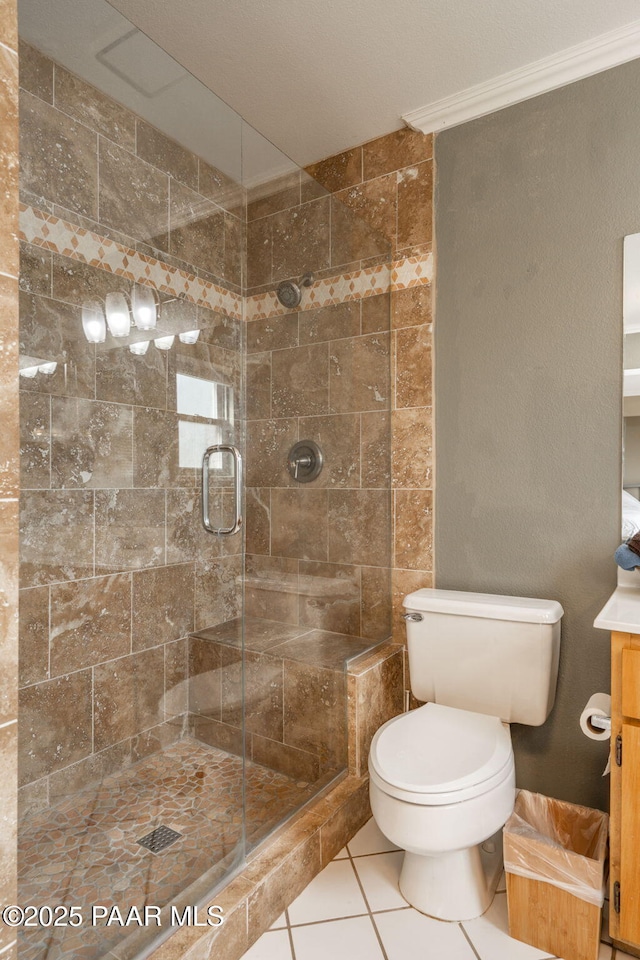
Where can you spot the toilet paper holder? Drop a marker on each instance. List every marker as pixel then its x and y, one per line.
pixel 600 723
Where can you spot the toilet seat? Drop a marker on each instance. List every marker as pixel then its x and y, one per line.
pixel 438 755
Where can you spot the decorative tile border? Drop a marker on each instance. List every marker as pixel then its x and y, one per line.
pixel 411 271
pixel 347 286
pixel 369 282
pixel 70 240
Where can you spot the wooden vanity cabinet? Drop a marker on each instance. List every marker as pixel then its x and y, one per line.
pixel 624 828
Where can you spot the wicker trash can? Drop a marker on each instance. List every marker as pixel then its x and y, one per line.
pixel 554 858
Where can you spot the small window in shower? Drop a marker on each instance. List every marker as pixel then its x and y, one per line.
pixel 211 402
pixel 204 398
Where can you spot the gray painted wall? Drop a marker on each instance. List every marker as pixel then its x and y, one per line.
pixel 532 204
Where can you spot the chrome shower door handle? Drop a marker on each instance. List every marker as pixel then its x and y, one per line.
pixel 237 467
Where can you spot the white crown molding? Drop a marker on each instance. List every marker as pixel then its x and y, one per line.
pixel 603 52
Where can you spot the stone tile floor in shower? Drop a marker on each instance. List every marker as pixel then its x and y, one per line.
pixel 353 910
pixel 84 850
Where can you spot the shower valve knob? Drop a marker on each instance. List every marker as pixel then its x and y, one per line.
pixel 305 461
pixel 301 462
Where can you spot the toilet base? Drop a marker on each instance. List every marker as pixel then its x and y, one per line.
pixel 454 886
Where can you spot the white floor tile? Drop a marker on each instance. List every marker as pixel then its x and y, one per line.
pixel 369 839
pixel 622 956
pixel 408 935
pixel 379 878
pixel 342 854
pixel 353 939
pixel 272 945
pixel 489 935
pixel 279 923
pixel 333 893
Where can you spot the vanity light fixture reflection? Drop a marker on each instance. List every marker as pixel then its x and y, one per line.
pixel 189 337
pixel 93 322
pixel 118 316
pixel 144 306
pixel 120 312
pixel 139 348
pixel 48 368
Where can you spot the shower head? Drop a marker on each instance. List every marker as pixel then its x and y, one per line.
pixel 289 293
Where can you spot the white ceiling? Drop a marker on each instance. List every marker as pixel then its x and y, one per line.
pixel 319 76
pixel 93 40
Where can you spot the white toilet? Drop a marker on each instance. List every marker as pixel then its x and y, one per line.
pixel 442 778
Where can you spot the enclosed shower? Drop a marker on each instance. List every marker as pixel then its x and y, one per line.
pixel 205 479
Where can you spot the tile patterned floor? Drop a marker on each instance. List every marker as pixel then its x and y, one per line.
pixel 84 850
pixel 353 910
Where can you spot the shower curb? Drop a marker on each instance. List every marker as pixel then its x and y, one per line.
pixel 273 876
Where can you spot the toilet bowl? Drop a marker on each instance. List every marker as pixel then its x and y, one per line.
pixel 442 782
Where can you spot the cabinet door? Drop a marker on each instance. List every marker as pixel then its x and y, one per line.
pixel 631 683
pixel 629 929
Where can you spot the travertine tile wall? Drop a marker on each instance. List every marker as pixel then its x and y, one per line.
pixel 318 555
pixel 330 383
pixel 116 569
pixel 389 182
pixel 110 515
pixel 110 519
pixel 9 469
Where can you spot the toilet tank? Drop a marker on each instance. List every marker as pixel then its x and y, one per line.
pixel 484 653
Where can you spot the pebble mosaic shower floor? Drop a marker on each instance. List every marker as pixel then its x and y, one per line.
pixel 84 851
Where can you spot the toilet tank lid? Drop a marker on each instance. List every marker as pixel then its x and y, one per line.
pixel 487 605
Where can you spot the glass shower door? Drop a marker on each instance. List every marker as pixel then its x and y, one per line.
pixel 178 699
pixel 131 345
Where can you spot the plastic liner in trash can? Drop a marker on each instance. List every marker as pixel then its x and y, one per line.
pixel 558 843
pixel 554 855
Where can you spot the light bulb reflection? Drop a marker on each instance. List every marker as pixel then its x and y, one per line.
pixel 93 322
pixel 28 372
pixel 144 307
pixel 139 348
pixel 164 343
pixel 48 368
pixel 118 317
pixel 190 336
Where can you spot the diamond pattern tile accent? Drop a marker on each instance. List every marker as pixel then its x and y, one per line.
pixel 70 240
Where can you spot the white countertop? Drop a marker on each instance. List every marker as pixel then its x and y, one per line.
pixel 621 612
